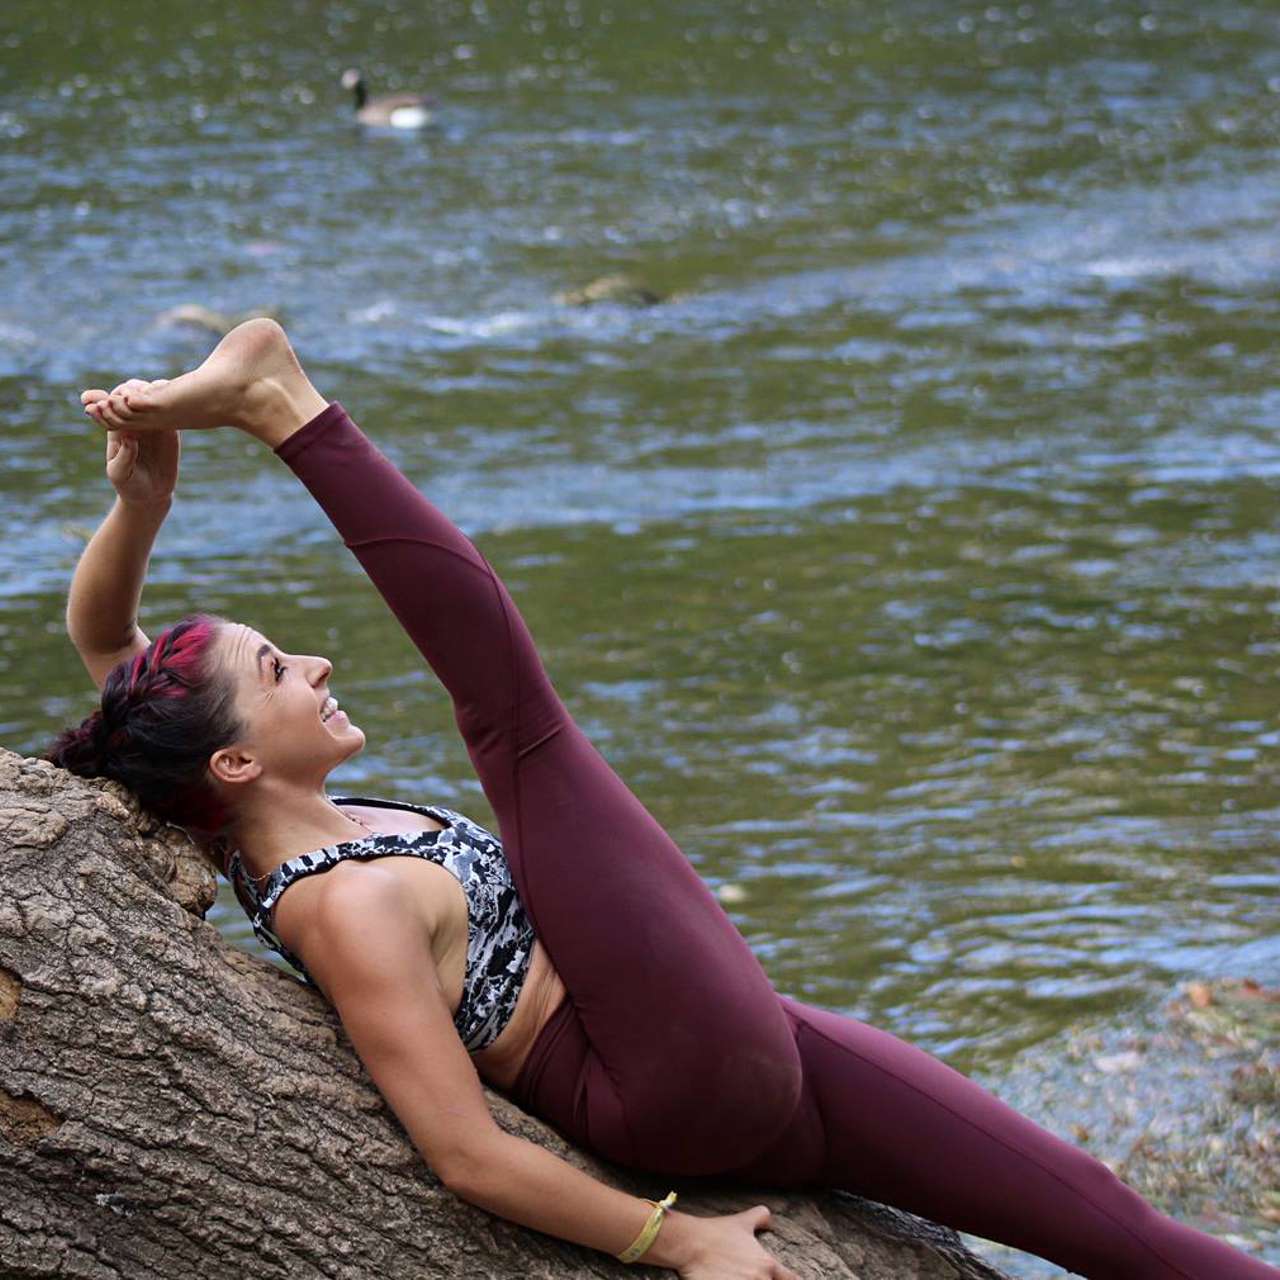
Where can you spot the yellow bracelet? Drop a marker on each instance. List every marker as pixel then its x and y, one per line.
pixel 649 1230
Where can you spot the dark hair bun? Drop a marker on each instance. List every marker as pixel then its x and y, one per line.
pixel 82 750
pixel 161 715
pixel 99 732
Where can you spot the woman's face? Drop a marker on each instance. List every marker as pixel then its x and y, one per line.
pixel 280 697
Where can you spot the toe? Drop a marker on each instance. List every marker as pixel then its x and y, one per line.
pixel 93 394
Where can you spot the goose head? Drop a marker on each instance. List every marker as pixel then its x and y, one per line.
pixel 353 82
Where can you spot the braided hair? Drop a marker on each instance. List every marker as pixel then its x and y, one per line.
pixel 163 713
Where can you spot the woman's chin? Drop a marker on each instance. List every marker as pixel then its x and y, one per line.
pixel 350 739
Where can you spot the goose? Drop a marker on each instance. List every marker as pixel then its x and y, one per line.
pixel 395 110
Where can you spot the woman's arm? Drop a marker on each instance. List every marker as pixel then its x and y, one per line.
pixel 369 952
pixel 102 606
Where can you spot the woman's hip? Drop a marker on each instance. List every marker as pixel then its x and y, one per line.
pixel 751 1129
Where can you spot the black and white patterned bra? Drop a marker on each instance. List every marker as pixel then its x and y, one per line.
pixel 500 937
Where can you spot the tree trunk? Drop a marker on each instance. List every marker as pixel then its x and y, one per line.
pixel 172 1106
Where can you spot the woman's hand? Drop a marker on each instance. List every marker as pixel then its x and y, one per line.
pixel 726 1248
pixel 142 465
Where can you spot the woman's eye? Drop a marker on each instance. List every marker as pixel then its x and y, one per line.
pixel 279 670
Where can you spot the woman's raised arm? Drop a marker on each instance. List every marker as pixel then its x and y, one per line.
pixel 106 589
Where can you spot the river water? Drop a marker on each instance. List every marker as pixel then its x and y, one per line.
pixel 915 561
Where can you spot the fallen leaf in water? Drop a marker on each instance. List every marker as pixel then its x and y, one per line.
pixel 1200 994
pixel 1253 990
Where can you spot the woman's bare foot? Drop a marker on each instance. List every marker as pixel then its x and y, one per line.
pixel 251 380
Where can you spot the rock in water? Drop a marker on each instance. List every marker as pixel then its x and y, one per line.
pixel 193 315
pixel 620 289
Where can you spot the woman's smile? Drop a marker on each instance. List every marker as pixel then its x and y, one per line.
pixel 331 711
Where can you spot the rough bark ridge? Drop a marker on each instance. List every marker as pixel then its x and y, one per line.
pixel 173 1106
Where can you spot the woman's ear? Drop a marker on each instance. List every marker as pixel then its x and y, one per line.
pixel 233 766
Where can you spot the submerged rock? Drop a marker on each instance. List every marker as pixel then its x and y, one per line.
pixel 622 290
pixel 193 315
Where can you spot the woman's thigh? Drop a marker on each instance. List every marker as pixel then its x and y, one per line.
pixel 679 1014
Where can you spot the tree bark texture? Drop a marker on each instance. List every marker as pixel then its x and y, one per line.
pixel 172 1106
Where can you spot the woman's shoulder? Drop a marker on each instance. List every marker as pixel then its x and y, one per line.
pixel 351 892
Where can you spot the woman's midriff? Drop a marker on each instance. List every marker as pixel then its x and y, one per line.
pixel 539 998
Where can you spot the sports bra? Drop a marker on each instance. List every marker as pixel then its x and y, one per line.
pixel 500 937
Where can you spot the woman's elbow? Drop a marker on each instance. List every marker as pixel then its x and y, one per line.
pixel 462 1184
pixel 469 1172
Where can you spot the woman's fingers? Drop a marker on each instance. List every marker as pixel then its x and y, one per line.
pixel 108 413
pixel 117 445
pixel 119 404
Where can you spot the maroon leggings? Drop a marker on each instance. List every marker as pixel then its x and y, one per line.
pixel 673 1053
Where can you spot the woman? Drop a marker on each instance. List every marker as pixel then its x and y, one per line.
pixel 604 988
